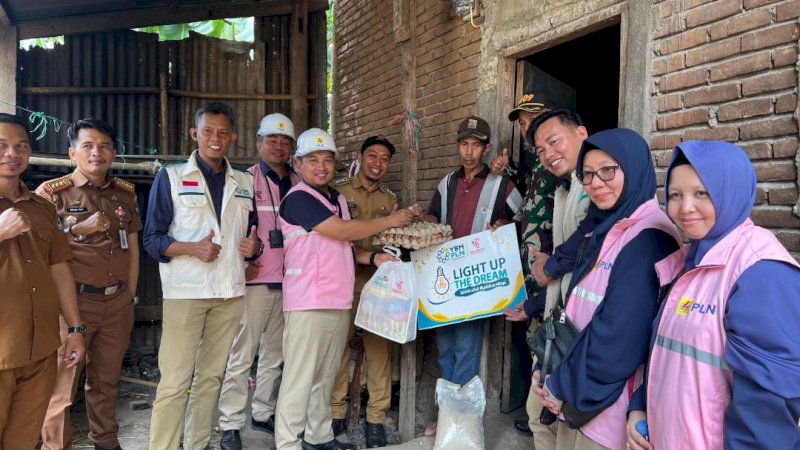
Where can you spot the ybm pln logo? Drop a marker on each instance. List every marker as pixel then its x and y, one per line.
pixel 688 305
pixel 451 253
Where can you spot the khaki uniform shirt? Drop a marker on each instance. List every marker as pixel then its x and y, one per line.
pixel 29 304
pixel 365 205
pixel 98 259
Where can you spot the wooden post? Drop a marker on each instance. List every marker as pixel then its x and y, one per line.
pixel 8 70
pixel 404 38
pixel 164 100
pixel 299 65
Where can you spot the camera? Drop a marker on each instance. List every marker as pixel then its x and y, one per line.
pixel 275 239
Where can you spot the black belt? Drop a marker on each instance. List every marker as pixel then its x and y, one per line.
pixel 89 289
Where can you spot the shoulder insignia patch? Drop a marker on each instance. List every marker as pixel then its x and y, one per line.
pixel 59 184
pixel 340 181
pixel 387 191
pixel 126 185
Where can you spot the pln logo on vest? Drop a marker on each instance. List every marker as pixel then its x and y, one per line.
pixel 687 306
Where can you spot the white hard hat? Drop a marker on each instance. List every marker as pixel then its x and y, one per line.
pixel 276 124
pixel 313 140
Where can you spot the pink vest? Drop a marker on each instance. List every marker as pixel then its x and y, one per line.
pixel 608 428
pixel 689 382
pixel 267 192
pixel 319 271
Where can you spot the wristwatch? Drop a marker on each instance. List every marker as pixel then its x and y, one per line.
pixel 79 329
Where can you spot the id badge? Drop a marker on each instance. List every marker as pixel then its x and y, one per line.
pixel 123 239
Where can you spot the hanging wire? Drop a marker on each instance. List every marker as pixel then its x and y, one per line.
pixel 40 122
pixel 411 127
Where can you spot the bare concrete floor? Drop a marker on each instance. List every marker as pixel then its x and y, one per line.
pixel 135 428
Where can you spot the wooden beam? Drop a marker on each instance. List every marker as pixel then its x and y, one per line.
pixel 163 102
pixel 299 64
pixel 8 70
pixel 122 90
pixel 141 17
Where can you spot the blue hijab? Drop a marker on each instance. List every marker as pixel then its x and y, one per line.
pixel 630 150
pixel 730 180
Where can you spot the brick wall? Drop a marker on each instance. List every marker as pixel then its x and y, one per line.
pixel 726 70
pixel 368 77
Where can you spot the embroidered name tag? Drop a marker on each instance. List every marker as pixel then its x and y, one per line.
pixel 78 209
pixel 243 193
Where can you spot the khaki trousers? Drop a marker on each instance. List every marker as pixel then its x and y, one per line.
pixel 570 439
pixel 313 342
pixel 24 394
pixel 378 354
pixel 108 328
pixel 195 340
pixel 261 328
pixel 544 436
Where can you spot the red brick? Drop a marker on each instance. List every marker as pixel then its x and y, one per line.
pixel 751 4
pixel 745 109
pixel 727 133
pixel 712 12
pixel 741 66
pixel 786 103
pixel 767 128
pixel 785 56
pixel 682 41
pixel 775 217
pixel 770 37
pixel 784 148
pixel 761 196
pixel 664 141
pixel 689 4
pixel 783 195
pixel 757 150
pixel 662 157
pixel 769 82
pixel 712 52
pixel 780 170
pixel 683 80
pixel 712 94
pixel 668 64
pixel 682 119
pixel 739 24
pixel 789 239
pixel 669 102
pixel 788 10
pixel 669 26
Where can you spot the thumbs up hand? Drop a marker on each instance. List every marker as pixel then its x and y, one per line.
pixel 206 250
pixel 248 246
pixel 500 162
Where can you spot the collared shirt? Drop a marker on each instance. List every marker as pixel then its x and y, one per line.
pixel 306 211
pixel 467 195
pixel 284 184
pixel 98 259
pixel 29 305
pixel 161 210
pixel 365 204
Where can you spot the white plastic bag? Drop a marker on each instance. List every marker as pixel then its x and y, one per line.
pixel 461 408
pixel 388 305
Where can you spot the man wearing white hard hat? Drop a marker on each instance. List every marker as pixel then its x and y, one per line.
pixel 261 327
pixel 318 292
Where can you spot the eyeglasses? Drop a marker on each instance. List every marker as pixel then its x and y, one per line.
pixel 606 173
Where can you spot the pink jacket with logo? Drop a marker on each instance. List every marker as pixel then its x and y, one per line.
pixel 268 200
pixel 319 271
pixel 689 382
pixel 608 428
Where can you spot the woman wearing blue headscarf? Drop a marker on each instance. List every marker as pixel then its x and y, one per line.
pixel 724 370
pixel 613 295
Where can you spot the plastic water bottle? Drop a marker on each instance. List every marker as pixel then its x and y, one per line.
pixel 641 427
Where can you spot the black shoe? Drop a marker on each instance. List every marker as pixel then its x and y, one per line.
pixel 268 426
pixel 97 447
pixel 330 445
pixel 376 435
pixel 339 426
pixel 230 440
pixel 521 424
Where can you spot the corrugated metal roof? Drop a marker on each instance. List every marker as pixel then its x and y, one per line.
pixel 22 11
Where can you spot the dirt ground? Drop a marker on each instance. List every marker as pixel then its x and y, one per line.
pixel 135 427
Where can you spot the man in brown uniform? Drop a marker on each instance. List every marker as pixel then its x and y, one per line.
pixel 36 285
pixel 367 199
pixel 102 223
